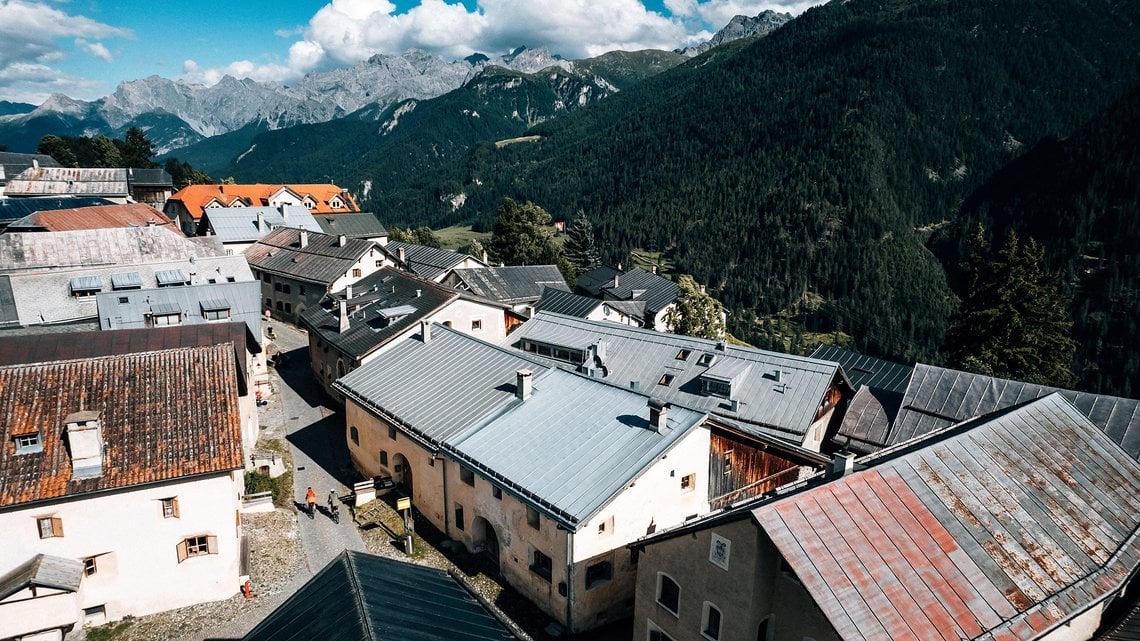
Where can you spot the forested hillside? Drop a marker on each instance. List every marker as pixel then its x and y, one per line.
pixel 813 164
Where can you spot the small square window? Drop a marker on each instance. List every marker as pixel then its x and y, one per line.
pixel 688 482
pixel 379 263
pixel 666 380
pixel 28 443
pixel 706 359
pixel 532 517
pixel 391 432
pixel 542 565
pixel 383 458
pixel 467 476
pixel 170 508
pixel 50 527
pixel 123 300
pixel 356 273
pixel 89 566
pixel 477 325
pixel 497 492
pixel 683 354
pixel 197 545
pixel 354 434
pixel 598 574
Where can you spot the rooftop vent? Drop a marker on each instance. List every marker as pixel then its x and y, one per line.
pixel 425 331
pixel 658 414
pixel 341 240
pixel 403 255
pixel 523 383
pixel 304 238
pixel 343 308
pixel 85 442
pixel 842 464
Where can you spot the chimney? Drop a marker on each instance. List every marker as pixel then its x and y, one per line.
pixel 657 414
pixel 348 292
pixel 150 222
pixel 485 257
pixel 343 306
pixel 653 269
pixel 341 240
pixel 419 292
pixel 842 464
pixel 425 331
pixel 721 345
pixel 35 164
pixel 403 255
pixel 85 442
pixel 777 375
pixel 260 221
pixel 523 383
pixel 304 238
pixel 635 386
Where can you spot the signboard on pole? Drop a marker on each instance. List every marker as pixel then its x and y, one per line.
pixel 404 504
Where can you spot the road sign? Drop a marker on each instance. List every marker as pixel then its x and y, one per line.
pixel 404 504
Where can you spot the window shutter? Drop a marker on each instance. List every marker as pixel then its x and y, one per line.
pixel 212 544
pixel 183 551
pixel 174 505
pixel 56 526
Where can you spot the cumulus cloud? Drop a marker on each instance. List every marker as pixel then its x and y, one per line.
pixel 96 49
pixel 348 31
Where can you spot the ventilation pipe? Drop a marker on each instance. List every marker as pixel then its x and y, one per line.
pixel 523 383
pixel 425 331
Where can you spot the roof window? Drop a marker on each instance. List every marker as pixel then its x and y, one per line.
pixel 85 286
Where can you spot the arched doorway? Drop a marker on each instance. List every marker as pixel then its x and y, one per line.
pixel 402 473
pixel 486 541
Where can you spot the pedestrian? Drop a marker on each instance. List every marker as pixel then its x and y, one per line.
pixel 311 501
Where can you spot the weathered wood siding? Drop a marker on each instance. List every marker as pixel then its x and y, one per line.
pixel 738 470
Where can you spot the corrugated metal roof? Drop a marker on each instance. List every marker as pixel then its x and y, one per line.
pixel 239 224
pixel 126 280
pixel 171 277
pixel 784 408
pixel 165 307
pixel 387 287
pixel 149 177
pixel 867 370
pixel 52 181
pixel 85 284
pixel 164 415
pixel 637 284
pixel 360 597
pixel 322 260
pixel 363 225
pixel 128 309
pixel 557 301
pixel 512 285
pixel 42 571
pixel 999 529
pixel 9 315
pixel 12 163
pixel 428 262
pixel 594 280
pixel 439 389
pixel 938 397
pixel 573 445
pixel 24 252
pixel 867 420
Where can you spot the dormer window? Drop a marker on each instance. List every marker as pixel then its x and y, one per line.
pixel 171 278
pixel 683 354
pixel 666 380
pixel 716 388
pixel 706 359
pixel 213 310
pixel 28 443
pixel 85 287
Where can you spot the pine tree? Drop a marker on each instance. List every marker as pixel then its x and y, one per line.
pixel 521 236
pixel 695 313
pixel 1014 320
pixel 580 248
pixel 136 149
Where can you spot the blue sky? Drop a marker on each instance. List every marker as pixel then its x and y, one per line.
pixel 84 48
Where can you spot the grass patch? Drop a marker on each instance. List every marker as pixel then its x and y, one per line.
pixel 110 631
pixel 457 236
pixel 281 487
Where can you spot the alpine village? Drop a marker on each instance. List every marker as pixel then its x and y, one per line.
pixel 827 329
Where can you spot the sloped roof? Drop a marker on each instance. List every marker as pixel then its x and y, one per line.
pixel 439 389
pixel 361 597
pixel 558 301
pixel 592 281
pixel 867 370
pixel 1000 529
pixel 362 225
pixel 12 163
pixel 42 571
pixel 98 217
pixel 55 181
pixel 21 252
pixel 785 407
pixel 239 224
pixel 195 197
pixel 322 260
pixel 573 445
pixel 369 328
pixel 513 284
pixel 638 284
pixel 149 177
pixel 867 420
pixel 938 397
pixel 16 208
pixel 428 262
pixel 130 308
pixel 164 415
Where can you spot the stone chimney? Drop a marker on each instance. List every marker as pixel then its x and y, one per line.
pixel 35 164
pixel 658 414
pixel 260 221
pixel 343 307
pixel 617 281
pixel 304 238
pixel 523 383
pixel 842 464
pixel 425 331
pixel 85 443
pixel 403 255
pixel 348 292
pixel 341 240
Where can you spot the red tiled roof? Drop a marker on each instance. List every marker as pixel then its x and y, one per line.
pixel 164 415
pixel 195 197
pixel 101 217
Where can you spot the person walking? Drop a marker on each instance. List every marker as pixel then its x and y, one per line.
pixel 334 505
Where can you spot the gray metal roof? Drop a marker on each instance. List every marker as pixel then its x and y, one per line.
pixel 85 283
pixel 12 163
pixel 1002 528
pixel 592 281
pixel 361 597
pixel 129 309
pixel 938 397
pixel 22 252
pixel 17 208
pixel 785 407
pixel 149 177
pixel 573 445
pixel 239 224
pixel 171 277
pixel 9 315
pixel 559 301
pixel 322 260
pixel 368 329
pixel 55 181
pixel 637 284
pixel 42 571
pixel 867 370
pixel 126 280
pixel 363 225
pixel 428 262
pixel 45 297
pixel 512 285
pixel 867 420
pixel 440 389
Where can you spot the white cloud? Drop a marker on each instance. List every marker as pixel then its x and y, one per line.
pixel 96 49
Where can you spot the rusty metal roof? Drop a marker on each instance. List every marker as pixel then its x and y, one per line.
pixel 55 181
pixel 164 415
pixel 999 529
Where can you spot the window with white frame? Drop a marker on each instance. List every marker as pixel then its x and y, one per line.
pixel 668 593
pixel 656 633
pixel 710 622
pixel 90 566
pixel 28 443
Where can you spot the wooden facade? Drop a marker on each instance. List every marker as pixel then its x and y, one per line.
pixel 740 468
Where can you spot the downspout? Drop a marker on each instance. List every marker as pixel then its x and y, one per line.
pixel 446 505
pixel 569 581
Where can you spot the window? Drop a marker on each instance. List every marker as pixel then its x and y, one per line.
pixel 286 288
pixel 216 314
pixel 383 458
pixel 599 573
pixel 50 527
pixel 266 278
pixel 269 303
pixel 666 380
pixel 89 566
pixel 467 476
pixel 606 526
pixel 706 359
pixel 356 272
pixel 717 388
pixel 354 434
pixel 477 325
pixel 668 593
pixel 727 462
pixel 123 300
pixel 288 308
pixel 688 482
pixel 634 556
pixel 379 263
pixel 683 354
pixel 541 565
pixel 497 492
pixel 231 279
pixel 655 633
pixel 162 320
pixel 280 307
pixel 301 290
pixel 459 516
pixel 391 432
pixel 197 546
pixel 762 630
pixel 28 443
pixel 710 622
pixel 532 517
pixel 169 508
pixel 276 287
